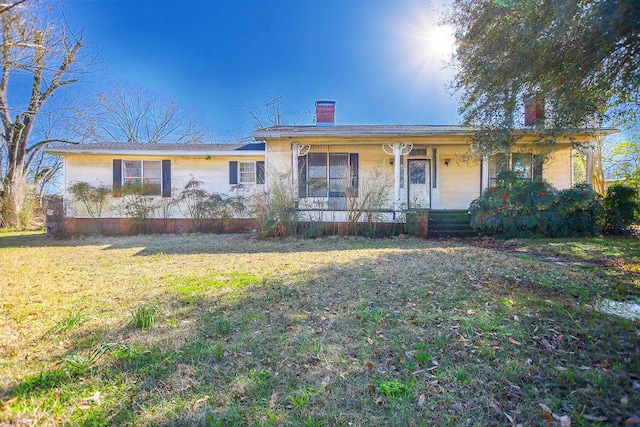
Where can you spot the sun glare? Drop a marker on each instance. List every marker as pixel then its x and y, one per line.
pixel 424 46
pixel 438 41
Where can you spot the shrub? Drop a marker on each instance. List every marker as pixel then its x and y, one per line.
pixel 417 223
pixel 621 206
pixel 516 207
pixel 92 197
pixel 577 211
pixel 275 211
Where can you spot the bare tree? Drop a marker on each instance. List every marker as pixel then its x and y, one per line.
pixel 270 113
pixel 8 6
pixel 129 113
pixel 45 51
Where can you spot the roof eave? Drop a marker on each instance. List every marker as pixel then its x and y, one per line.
pixel 156 153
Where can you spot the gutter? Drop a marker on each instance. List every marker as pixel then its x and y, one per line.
pixel 156 153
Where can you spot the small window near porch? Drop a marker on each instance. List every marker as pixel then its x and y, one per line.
pixel 247 172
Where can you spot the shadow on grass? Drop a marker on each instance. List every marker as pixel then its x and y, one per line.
pixel 317 347
pixel 198 243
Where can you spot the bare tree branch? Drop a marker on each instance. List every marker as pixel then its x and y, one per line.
pixel 129 113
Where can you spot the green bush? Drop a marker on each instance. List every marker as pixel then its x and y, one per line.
pixel 621 206
pixel 517 207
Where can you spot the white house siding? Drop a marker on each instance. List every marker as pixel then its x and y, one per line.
pixel 459 182
pixel 98 170
pixel 278 154
pixel 557 168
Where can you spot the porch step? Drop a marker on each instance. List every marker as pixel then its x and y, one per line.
pixel 450 223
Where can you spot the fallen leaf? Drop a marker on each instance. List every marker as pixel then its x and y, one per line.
pixel 5 405
pixel 565 421
pixel 201 400
pixel 313 360
pixel 325 382
pixel 594 418
pixel 94 398
pixel 513 341
pixel 517 319
pixel 509 417
pixel 274 398
pixel 369 366
pixel 370 341
pixel 632 421
pixel 421 400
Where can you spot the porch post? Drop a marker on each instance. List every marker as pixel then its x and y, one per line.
pixel 295 151
pixel 589 161
pixel 485 173
pixel 397 151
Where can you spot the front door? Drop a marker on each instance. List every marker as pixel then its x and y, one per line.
pixel 419 184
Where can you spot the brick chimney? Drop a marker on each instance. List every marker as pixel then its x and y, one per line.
pixel 534 110
pixel 325 113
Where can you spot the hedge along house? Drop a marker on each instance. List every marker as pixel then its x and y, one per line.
pixel 421 167
pixel 152 176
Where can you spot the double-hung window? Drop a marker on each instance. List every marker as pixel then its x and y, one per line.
pixel 142 177
pixel 247 172
pixel 328 174
pixel 524 165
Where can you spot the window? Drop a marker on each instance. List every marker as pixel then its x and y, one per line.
pixel 525 165
pixel 145 177
pixel 142 177
pixel 247 172
pixel 338 175
pixel 417 172
pixel 332 175
pixel 317 175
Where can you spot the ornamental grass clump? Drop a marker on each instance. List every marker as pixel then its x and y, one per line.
pixel 518 207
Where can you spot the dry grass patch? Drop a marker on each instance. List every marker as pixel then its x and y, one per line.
pixel 333 331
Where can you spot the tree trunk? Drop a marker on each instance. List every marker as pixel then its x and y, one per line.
pixel 15 193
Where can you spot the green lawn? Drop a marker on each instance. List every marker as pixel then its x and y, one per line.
pixel 230 330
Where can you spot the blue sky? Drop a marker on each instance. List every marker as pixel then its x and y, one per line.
pixel 380 60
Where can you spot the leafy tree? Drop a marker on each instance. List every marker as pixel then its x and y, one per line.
pixel 580 58
pixel 43 51
pixel 626 156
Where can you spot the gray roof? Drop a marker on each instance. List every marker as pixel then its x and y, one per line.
pixel 381 131
pixel 361 130
pixel 159 148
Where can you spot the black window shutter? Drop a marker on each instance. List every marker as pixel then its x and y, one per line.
pixel 233 172
pixel 117 177
pixel 537 167
pixel 166 178
pixel 353 162
pixel 260 172
pixel 302 176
